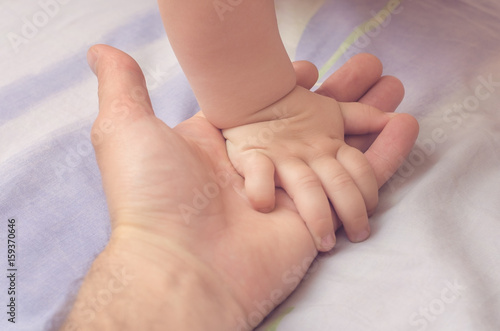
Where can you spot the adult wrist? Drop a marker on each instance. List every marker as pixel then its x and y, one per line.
pixel 133 285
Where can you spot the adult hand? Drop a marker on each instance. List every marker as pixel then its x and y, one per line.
pixel 186 246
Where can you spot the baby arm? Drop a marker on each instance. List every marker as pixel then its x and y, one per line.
pixel 277 133
pixel 232 56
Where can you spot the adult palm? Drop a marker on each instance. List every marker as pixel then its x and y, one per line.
pixel 176 201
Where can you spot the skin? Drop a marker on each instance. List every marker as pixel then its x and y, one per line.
pixel 225 265
pixel 278 133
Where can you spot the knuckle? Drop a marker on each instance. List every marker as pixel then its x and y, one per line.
pixel 340 181
pixel 323 224
pixel 308 181
pixel 363 168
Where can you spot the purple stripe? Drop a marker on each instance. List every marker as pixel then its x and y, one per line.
pixel 18 97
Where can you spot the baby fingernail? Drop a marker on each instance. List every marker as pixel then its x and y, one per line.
pixel 362 236
pixel 328 242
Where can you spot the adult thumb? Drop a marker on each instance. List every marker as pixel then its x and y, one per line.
pixel 122 91
pixel 121 134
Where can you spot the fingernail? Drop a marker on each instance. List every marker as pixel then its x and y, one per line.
pixel 92 57
pixel 362 236
pixel 328 242
pixel 266 210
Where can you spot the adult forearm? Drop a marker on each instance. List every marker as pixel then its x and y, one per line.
pixel 231 53
pixel 130 289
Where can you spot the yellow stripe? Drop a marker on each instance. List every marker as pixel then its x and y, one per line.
pixel 274 324
pixel 359 31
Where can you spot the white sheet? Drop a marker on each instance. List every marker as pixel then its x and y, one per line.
pixel 432 262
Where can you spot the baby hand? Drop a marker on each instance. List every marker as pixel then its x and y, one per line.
pixel 298 144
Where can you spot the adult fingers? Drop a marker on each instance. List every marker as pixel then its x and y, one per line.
pixel 306 73
pixel 120 79
pixel 123 96
pixel 359 79
pixel 392 146
pixel 362 119
pixel 123 105
pixel 351 81
pixel 394 136
pixel 385 95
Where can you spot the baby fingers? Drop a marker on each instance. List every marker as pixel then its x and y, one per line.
pixel 345 195
pixel 306 191
pixel 258 171
pixel 361 172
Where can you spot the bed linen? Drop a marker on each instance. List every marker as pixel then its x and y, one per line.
pixel 433 260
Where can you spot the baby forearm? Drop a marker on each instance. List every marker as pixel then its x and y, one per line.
pixel 232 55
